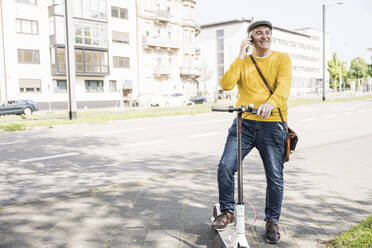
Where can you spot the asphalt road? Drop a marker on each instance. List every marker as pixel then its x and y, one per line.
pixel 46 162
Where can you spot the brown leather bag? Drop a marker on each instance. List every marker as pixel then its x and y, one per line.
pixel 292 137
pixel 291 143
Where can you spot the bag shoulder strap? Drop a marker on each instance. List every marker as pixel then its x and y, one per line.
pixel 266 83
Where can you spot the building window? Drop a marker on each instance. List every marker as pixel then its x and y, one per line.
pixel 27 26
pixel 93 34
pixel 121 62
pixel 86 61
pixel 28 56
pixel 96 61
pixel 220 53
pixel 90 9
pixel 60 86
pixel 93 85
pixel 119 12
pixel 120 37
pixel 29 85
pixel 112 86
pixel 33 2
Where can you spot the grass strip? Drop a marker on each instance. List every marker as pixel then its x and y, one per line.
pixel 105 116
pixel 359 236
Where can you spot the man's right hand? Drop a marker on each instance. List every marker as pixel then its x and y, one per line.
pixel 244 48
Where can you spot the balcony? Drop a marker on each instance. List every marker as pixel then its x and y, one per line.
pixel 191 1
pixel 162 70
pixel 190 23
pixel 158 42
pixel 162 16
pixel 190 72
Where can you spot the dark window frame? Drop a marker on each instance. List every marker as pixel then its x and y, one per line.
pixel 26 2
pixel 113 89
pixel 100 85
pixel 121 62
pixel 58 89
pixel 35 56
pixel 27 20
pixel 105 68
pixel 122 13
pixel 29 89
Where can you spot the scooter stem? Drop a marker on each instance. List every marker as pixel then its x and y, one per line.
pixel 239 164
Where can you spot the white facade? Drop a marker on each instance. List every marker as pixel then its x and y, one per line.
pixel 38 40
pixel 102 35
pixel 303 46
pixel 166 49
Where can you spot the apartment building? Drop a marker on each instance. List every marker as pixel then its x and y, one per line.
pixel 125 51
pixel 220 42
pixel 33 62
pixel 168 60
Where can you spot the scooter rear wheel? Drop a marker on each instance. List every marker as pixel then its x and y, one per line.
pixel 215 211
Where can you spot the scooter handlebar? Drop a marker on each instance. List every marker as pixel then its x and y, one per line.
pixel 222 108
pixel 231 109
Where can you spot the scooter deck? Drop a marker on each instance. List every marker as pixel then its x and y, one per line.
pixel 226 237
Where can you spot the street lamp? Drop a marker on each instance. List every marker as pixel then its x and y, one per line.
pixel 324 62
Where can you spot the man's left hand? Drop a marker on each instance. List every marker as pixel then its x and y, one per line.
pixel 265 110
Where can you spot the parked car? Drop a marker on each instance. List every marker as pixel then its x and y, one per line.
pixel 198 100
pixel 175 99
pixel 18 107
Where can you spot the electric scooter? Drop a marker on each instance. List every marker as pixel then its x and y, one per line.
pixel 234 236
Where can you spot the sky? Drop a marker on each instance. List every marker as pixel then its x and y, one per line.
pixel 349 24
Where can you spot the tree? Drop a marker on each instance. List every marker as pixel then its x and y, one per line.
pixel 336 68
pixel 370 69
pixel 358 70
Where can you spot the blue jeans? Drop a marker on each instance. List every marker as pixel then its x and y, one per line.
pixel 269 138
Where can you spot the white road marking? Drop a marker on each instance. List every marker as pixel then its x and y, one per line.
pixel 361 111
pixel 329 116
pixel 117 131
pixel 49 157
pixel 204 134
pixel 310 119
pixel 341 110
pixel 348 113
pixel 360 104
pixel 143 143
pixel 207 122
pixel 9 143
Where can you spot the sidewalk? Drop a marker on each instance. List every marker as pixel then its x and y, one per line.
pixel 174 210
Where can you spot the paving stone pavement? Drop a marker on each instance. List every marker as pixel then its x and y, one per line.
pixel 171 210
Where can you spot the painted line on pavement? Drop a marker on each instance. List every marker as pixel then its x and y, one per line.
pixel 329 116
pixel 361 111
pixel 207 122
pixel 341 110
pixel 9 143
pixel 117 132
pixel 49 157
pixel 144 143
pixel 204 135
pixel 310 119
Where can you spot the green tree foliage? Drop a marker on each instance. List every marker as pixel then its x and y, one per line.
pixel 336 68
pixel 358 69
pixel 370 69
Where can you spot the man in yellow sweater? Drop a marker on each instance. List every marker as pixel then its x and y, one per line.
pixel 265 131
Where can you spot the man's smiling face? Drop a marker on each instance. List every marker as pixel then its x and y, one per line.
pixel 262 37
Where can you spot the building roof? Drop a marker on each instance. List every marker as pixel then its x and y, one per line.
pixel 241 20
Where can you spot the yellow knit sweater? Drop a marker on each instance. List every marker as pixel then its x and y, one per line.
pixel 277 71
